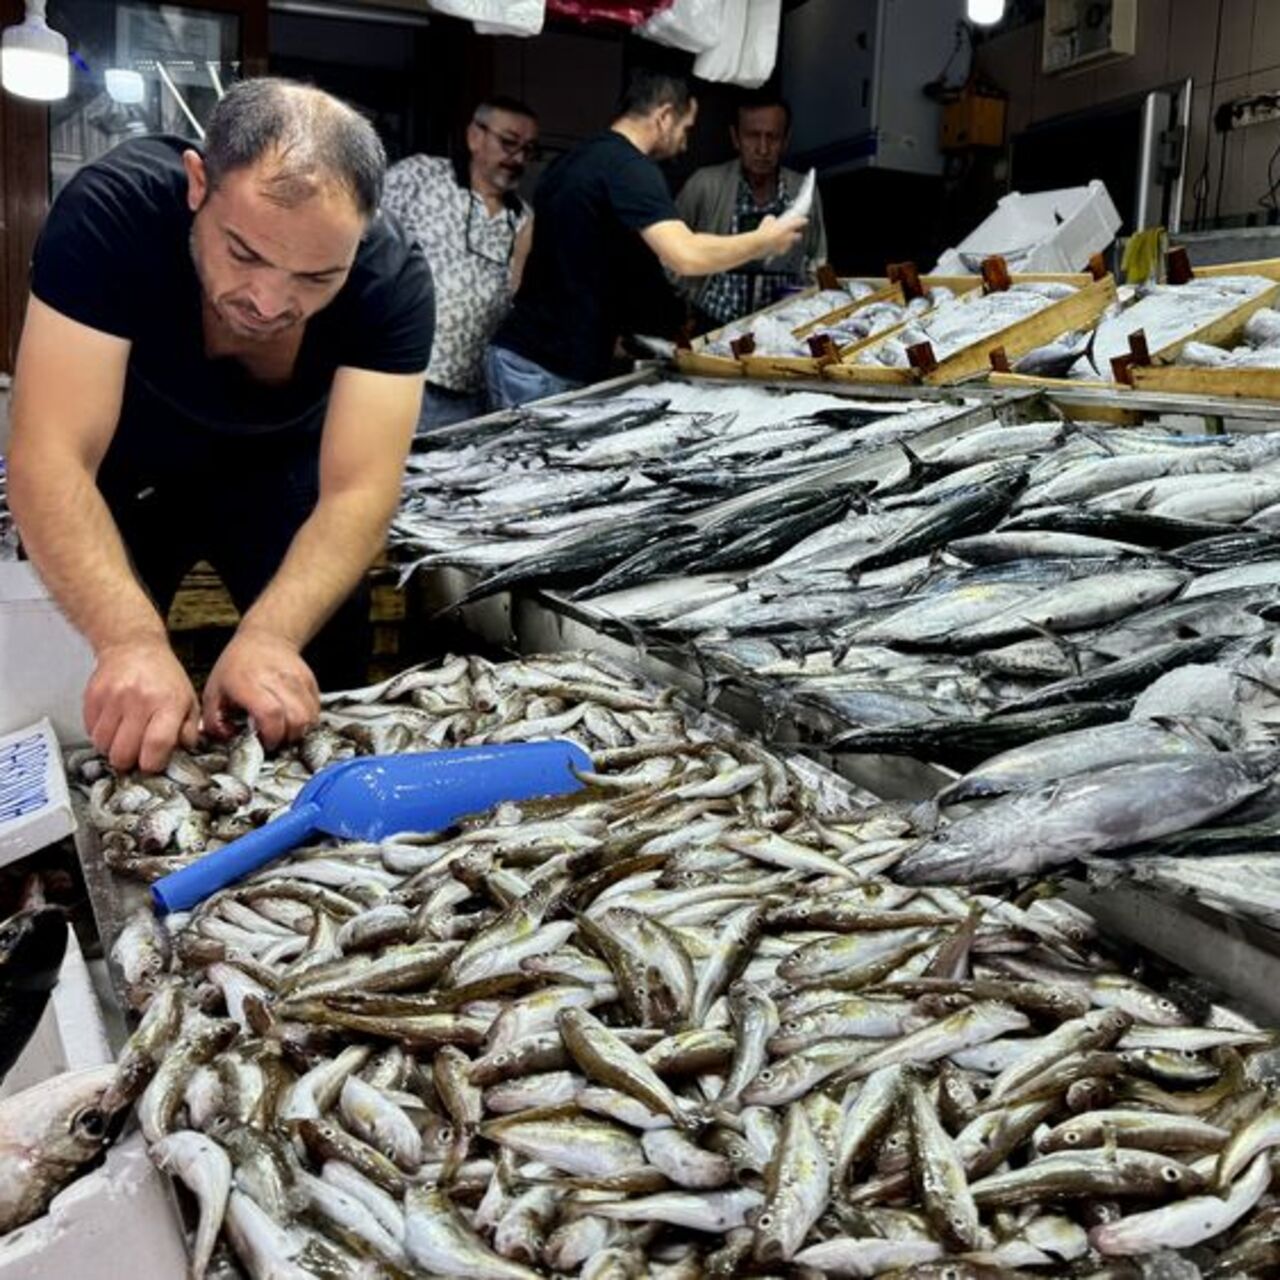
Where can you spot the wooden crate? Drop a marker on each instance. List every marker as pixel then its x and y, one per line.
pixel 1164 374
pixel 773 367
pixel 1081 310
pixel 697 362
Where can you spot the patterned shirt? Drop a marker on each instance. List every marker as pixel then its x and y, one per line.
pixel 470 254
pixel 733 294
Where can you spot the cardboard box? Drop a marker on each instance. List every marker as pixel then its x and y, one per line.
pixel 973 121
pixel 45 662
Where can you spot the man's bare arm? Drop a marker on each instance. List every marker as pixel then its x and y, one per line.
pixel 366 437
pixel 697 253
pixel 66 403
pixel 68 389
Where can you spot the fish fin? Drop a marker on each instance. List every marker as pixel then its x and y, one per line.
pixel 1064 646
pixel 1110 1147
pixel 916 470
pixel 1097 436
pixel 1088 351
pixel 925 816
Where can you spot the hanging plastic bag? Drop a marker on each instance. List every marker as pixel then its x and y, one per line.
pixel 692 25
pixel 496 17
pixel 759 43
pixel 720 61
pixel 626 13
pixel 748 45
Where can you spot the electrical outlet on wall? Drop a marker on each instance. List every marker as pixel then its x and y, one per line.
pixel 1240 113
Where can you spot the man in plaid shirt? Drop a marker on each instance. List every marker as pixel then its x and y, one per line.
pixel 731 198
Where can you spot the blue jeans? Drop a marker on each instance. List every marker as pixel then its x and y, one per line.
pixel 512 380
pixel 442 407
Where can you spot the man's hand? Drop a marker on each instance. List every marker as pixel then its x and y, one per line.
pixel 780 235
pixel 139 704
pixel 263 674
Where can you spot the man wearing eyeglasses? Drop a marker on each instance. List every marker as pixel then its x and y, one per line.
pixel 475 231
pixel 606 220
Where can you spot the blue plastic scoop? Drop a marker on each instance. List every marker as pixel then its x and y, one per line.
pixel 371 797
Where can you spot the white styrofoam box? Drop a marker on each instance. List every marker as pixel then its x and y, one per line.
pixel 119 1220
pixel 35 806
pixel 1044 231
pixel 117 1223
pixel 45 662
pixel 70 1036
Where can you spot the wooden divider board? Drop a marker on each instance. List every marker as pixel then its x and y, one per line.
pixel 1239 384
pixel 1079 311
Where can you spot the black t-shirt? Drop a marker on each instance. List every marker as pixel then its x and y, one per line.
pixel 590 277
pixel 115 255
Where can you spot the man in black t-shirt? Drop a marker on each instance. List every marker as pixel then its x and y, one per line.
pixel 606 220
pixel 222 359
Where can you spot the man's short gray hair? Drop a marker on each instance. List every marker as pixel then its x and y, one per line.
pixel 500 102
pixel 311 139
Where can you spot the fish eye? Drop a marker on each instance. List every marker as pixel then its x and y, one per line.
pixel 90 1123
pixel 445 1133
pixel 1071 1137
pixel 791 1026
pixel 764 1221
pixel 1171 1174
pixel 766 1075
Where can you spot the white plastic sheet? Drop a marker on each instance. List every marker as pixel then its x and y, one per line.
pixel 720 62
pixel 692 25
pixel 496 17
pixel 760 43
pixel 748 46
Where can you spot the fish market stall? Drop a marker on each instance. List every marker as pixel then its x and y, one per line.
pixel 688 1020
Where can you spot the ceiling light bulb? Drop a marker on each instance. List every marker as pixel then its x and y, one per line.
pixel 986 13
pixel 33 58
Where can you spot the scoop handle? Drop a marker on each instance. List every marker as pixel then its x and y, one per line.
pixel 183 889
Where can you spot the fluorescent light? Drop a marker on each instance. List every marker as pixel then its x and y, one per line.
pixel 33 58
pixel 986 13
pixel 125 87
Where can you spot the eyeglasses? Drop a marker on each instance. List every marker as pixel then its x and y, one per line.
pixel 511 146
pixel 480 251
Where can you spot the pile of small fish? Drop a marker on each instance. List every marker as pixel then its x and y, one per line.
pixel 565 492
pixel 964 320
pixel 1260 348
pixel 682 1023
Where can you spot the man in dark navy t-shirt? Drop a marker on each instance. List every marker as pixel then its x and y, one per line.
pixel 605 220
pixel 222 359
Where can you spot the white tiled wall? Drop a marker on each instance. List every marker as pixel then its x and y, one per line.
pixel 1176 39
